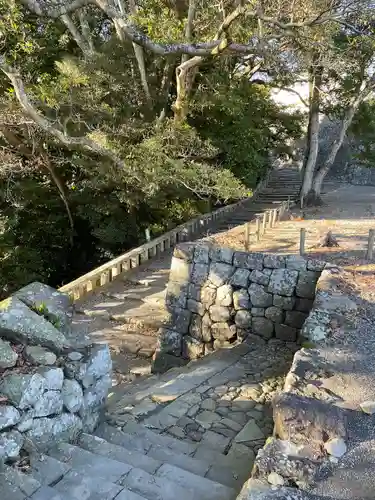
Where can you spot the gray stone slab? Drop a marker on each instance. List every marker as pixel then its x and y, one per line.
pixel 155 488
pixel 200 487
pixel 128 495
pixel 234 477
pixel 251 432
pixel 47 470
pixel 82 486
pixel 115 436
pixel 27 484
pixel 89 463
pixel 47 493
pixel 215 441
pixel 119 453
pixel 141 431
pixel 199 467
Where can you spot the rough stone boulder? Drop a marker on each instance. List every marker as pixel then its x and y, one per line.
pixel 8 357
pixel 283 281
pixel 19 323
pixel 55 306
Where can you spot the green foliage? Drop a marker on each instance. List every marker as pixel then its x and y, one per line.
pixel 165 173
pixel 362 133
pixel 243 123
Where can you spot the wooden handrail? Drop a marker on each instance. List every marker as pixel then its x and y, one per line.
pixel 109 271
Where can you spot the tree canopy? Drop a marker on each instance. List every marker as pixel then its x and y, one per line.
pixel 122 115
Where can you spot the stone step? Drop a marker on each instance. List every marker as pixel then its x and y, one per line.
pixel 140 431
pixel 155 488
pixel 172 483
pixel 15 485
pixel 48 493
pixel 203 488
pixel 141 443
pixel 185 462
pixel 80 485
pixel 100 446
pixel 89 464
pixel 47 470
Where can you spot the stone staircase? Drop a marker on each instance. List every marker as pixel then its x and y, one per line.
pixel 190 433
pixel 128 312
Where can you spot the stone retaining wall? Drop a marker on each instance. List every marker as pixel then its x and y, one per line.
pixel 310 431
pixel 52 384
pixel 216 296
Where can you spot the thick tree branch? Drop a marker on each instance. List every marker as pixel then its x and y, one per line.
pixel 132 32
pixel 79 39
pixel 189 26
pixel 139 55
pixel 86 31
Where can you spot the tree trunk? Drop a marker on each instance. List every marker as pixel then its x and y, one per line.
pixel 315 196
pixel 307 145
pixel 139 54
pixel 313 139
pixel 185 76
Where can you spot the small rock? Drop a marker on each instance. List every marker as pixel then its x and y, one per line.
pixel 275 479
pixel 8 357
pixel 39 355
pixel 208 404
pixel 10 444
pixel 206 418
pixel 75 356
pixel 336 447
pixel 177 432
pixel 251 432
pixel 72 395
pixel 368 407
pixel 49 403
pixel 54 378
pixel 8 416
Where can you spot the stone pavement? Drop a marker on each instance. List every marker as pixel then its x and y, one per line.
pixel 219 403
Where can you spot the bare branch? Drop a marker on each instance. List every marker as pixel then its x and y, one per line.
pixel 86 32
pixel 79 39
pixel 189 26
pixel 288 89
pixel 139 55
pixel 53 9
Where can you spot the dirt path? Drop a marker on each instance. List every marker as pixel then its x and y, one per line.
pixel 348 211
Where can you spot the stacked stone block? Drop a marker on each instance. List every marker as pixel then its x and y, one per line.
pixel 53 384
pixel 217 296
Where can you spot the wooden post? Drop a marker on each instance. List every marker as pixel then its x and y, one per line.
pixel 302 240
pixel 269 218
pixel 274 214
pixel 257 228
pixel 247 236
pixel 370 246
pixel 264 223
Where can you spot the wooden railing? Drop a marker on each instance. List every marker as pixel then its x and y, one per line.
pixel 267 220
pixel 109 271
